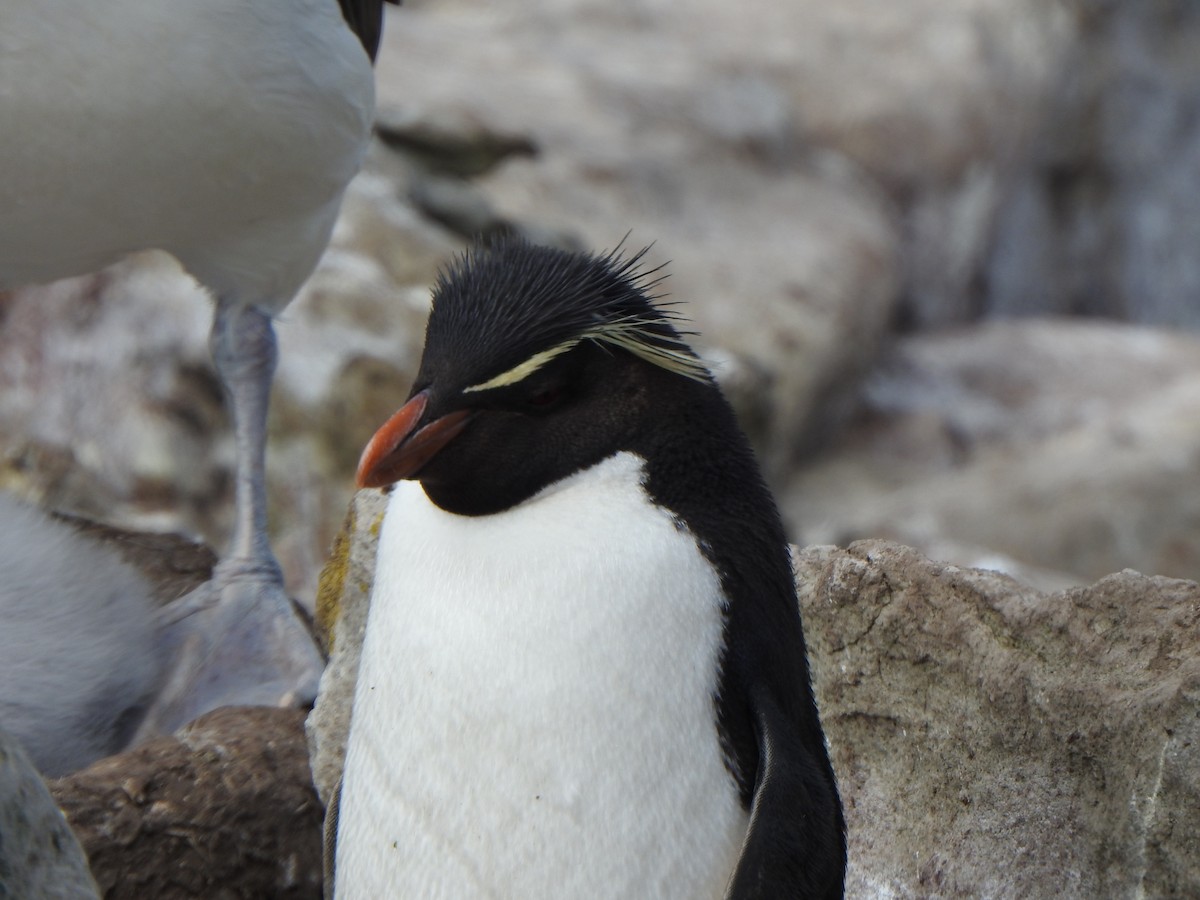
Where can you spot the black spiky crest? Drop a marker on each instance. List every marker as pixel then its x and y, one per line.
pixel 506 302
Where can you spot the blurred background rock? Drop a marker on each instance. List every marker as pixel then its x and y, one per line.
pixel 942 253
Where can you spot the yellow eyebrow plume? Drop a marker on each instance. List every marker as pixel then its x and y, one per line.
pixel 524 370
pixel 629 334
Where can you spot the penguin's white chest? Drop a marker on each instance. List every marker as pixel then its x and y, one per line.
pixel 535 712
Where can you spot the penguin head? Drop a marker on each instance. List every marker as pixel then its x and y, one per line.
pixel 538 363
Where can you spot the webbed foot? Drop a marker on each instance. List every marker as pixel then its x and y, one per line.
pixel 237 640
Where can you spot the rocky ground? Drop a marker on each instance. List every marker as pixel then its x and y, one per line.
pixel 941 253
pixel 990 739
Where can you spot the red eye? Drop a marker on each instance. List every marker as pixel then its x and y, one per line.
pixel 544 398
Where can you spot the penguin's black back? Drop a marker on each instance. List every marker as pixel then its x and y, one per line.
pixel 701 467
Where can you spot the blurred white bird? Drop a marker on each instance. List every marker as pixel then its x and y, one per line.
pixel 81 655
pixel 224 132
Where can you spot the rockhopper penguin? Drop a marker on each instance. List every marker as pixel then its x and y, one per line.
pixel 584 674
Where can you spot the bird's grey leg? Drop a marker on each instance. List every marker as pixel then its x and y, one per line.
pixel 239 638
pixel 243 350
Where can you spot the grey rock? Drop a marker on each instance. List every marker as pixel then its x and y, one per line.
pixel 992 741
pixel 446 144
pixel 458 205
pixel 40 859
pixel 1064 445
pixel 1104 209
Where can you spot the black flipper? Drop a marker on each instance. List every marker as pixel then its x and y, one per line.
pixel 330 844
pixel 795 847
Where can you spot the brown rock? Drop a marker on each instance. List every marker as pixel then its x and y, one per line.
pixel 223 809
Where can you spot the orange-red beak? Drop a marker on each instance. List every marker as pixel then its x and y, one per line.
pixel 399 450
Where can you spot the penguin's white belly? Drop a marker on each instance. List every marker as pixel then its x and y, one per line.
pixel 535 712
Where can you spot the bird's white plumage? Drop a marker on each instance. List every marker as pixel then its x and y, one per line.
pixel 222 131
pixel 534 714
pixel 79 652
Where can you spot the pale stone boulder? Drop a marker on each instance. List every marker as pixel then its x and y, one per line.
pixel 992 741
